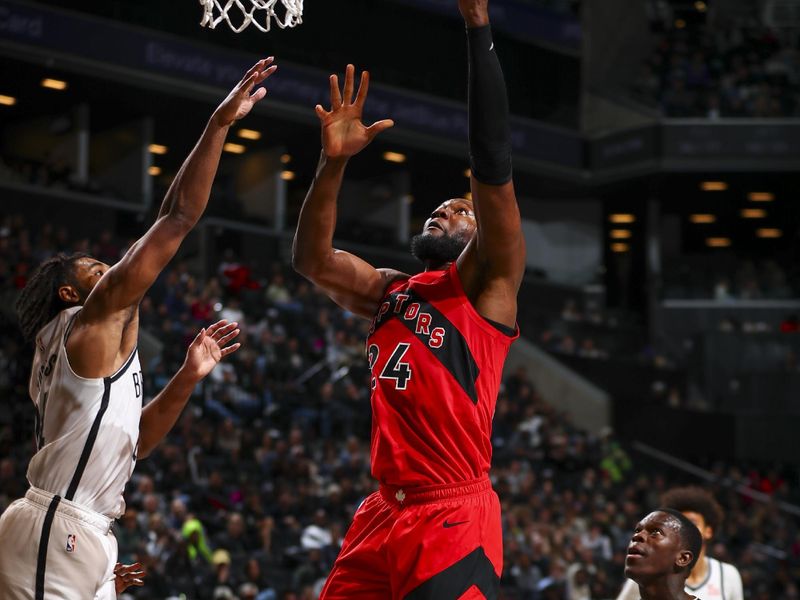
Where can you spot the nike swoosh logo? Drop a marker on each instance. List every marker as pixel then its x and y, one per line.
pixel 448 525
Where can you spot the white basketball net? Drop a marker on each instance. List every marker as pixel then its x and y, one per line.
pixel 247 11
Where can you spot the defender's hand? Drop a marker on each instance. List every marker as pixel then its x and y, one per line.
pixel 343 133
pixel 126 576
pixel 242 98
pixel 209 347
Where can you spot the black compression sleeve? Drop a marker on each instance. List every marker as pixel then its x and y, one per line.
pixel 489 128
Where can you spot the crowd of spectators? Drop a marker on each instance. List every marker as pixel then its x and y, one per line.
pixel 250 495
pixel 741 69
pixel 726 279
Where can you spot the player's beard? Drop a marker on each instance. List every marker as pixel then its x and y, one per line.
pixel 435 249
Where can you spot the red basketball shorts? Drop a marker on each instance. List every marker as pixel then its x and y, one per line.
pixel 425 543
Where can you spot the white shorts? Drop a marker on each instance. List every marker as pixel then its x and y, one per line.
pixel 51 548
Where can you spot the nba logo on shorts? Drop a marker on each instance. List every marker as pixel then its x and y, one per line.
pixel 71 540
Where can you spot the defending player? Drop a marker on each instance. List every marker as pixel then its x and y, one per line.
pixel 86 384
pixel 710 579
pixel 664 548
pixel 436 349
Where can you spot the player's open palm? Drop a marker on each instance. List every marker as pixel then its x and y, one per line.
pixel 209 347
pixel 242 97
pixel 343 132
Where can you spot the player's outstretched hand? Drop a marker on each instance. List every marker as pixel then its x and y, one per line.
pixel 343 133
pixel 126 576
pixel 242 97
pixel 210 347
pixel 475 12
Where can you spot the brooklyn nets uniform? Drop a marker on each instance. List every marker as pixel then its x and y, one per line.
pixel 722 582
pixel 86 436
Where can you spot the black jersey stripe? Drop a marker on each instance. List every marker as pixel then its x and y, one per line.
pixel 44 542
pixel 95 430
pixel 90 440
pixel 475 569
pixel 453 354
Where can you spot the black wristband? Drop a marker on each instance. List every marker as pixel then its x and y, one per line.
pixel 489 127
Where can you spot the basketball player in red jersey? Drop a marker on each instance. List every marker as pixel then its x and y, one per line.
pixel 436 350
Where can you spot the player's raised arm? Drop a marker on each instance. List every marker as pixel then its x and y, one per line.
pixel 349 281
pixel 126 282
pixel 493 265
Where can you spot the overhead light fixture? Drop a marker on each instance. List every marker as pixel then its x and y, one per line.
pixel 288 175
pixel 8 100
pixel 761 196
pixel 157 149
pixel 54 84
pixel 154 170
pixel 395 157
pixel 718 242
pixel 753 213
pixel 700 6
pixel 703 218
pixel 769 233
pixel 234 148
pixel 621 218
pixel 621 234
pixel 286 159
pixel 680 23
pixel 468 173
pixel 249 134
pixel 620 247
pixel 713 186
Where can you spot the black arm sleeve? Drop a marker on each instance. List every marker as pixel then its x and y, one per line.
pixel 489 127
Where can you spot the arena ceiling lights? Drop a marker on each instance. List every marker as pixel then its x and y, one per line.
pixel 621 218
pixel 621 234
pixel 395 157
pixel 54 84
pixel 157 149
pixel 234 148
pixel 7 100
pixel 713 186
pixel 703 219
pixel 249 134
pixel 761 196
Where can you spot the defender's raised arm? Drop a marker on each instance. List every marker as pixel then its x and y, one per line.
pixel 106 329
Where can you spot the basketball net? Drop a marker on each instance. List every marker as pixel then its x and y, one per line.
pixel 217 11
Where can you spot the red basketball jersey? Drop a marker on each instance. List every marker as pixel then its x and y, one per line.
pixel 436 370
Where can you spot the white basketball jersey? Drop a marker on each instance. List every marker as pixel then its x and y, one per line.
pixel 722 582
pixel 87 430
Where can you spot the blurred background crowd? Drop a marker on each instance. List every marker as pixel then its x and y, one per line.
pixel 252 492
